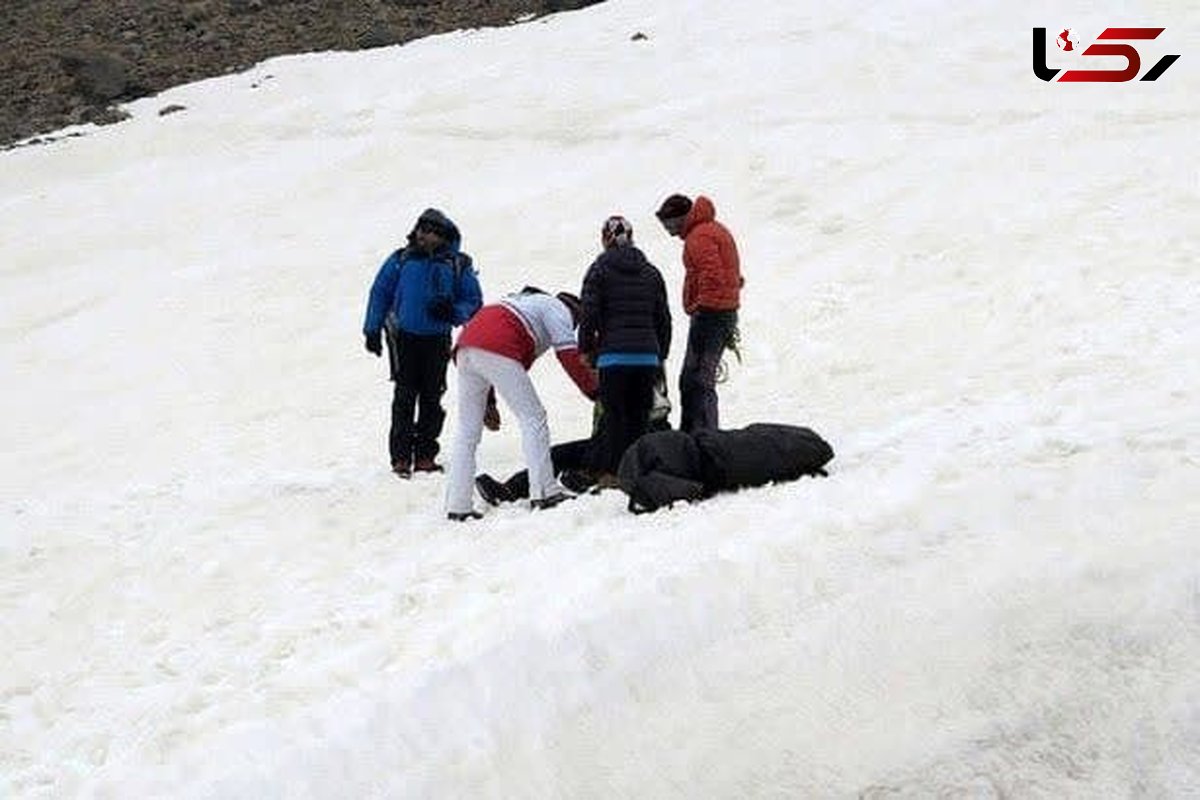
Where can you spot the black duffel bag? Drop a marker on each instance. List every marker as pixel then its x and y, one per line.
pixel 661 468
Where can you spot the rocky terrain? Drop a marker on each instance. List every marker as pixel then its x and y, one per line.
pixel 64 62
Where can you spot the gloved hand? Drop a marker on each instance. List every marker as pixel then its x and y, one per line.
pixel 441 309
pixel 374 343
pixel 491 417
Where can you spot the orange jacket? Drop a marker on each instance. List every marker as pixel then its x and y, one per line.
pixel 712 278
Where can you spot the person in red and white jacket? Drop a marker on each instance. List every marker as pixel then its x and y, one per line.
pixel 493 355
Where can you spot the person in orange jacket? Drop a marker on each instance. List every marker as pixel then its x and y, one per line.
pixel 712 287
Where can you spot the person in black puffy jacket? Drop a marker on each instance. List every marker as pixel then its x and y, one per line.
pixel 625 331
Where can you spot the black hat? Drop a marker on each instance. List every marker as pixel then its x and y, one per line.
pixel 677 205
pixel 439 223
pixel 573 304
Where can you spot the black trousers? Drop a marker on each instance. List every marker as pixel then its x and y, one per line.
pixel 419 372
pixel 626 394
pixel 565 456
pixel 708 335
pixel 574 455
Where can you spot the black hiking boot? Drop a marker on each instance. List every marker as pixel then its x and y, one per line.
pixel 463 516
pixel 492 491
pixel 550 501
pixel 577 480
pixel 402 468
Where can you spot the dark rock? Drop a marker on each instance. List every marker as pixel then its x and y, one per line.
pixel 63 61
pixel 554 6
pixel 245 6
pixel 379 34
pixel 99 77
pixel 108 116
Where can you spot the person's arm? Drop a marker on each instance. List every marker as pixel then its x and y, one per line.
pixel 662 320
pixel 557 319
pixel 589 322
pixel 383 291
pixel 468 296
pixel 583 375
pixel 702 258
pixel 379 303
pixel 491 412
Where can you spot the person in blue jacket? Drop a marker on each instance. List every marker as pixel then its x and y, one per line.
pixel 422 291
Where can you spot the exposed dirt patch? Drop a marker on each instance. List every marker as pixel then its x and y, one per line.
pixel 64 62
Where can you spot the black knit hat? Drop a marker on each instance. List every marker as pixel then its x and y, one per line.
pixel 677 205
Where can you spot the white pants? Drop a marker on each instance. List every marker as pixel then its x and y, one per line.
pixel 478 371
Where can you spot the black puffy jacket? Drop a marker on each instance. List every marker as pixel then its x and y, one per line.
pixel 624 306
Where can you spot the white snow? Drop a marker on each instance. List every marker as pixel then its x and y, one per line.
pixel 980 287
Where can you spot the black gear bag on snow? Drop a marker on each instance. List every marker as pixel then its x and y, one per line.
pixel 661 468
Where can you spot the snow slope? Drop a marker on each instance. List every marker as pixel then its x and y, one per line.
pixel 981 288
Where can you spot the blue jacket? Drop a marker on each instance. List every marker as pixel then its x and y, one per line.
pixel 410 281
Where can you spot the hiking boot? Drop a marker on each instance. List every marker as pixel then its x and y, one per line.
pixel 576 480
pixel 427 465
pixel 402 468
pixel 550 501
pixel 492 491
pixel 463 516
